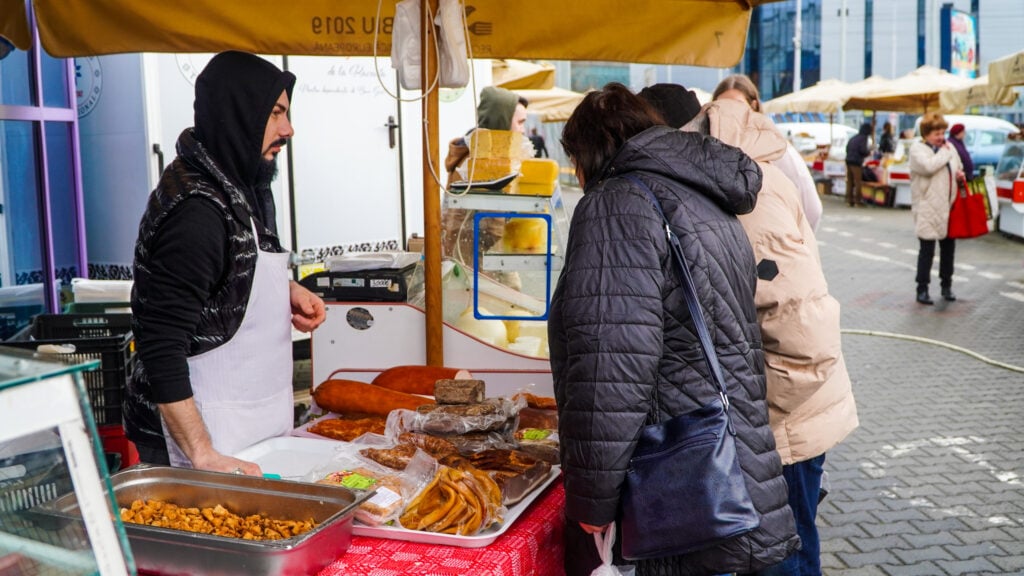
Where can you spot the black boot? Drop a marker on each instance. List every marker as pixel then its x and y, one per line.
pixel 924 298
pixel 947 294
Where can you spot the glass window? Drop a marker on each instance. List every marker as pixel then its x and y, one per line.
pixel 594 75
pixel 55 82
pixel 15 81
pixel 63 204
pixel 1009 164
pixel 22 293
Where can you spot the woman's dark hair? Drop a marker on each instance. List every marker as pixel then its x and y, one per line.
pixel 601 124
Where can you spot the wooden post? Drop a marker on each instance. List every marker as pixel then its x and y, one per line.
pixel 431 192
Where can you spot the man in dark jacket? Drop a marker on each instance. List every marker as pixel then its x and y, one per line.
pixel 857 150
pixel 620 334
pixel 212 304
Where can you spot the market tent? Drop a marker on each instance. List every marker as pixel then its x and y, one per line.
pixel 553 105
pixel 688 32
pixel 827 97
pixel 980 92
pixel 1007 71
pixel 522 75
pixel 917 92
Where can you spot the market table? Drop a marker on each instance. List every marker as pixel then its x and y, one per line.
pixel 531 546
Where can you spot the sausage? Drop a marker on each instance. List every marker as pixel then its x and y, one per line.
pixel 414 379
pixel 351 397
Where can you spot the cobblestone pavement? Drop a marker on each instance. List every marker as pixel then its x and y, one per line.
pixel 931 482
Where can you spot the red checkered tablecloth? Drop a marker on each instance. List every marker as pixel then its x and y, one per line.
pixel 532 546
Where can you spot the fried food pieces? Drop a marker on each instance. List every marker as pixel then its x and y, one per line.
pixel 218 521
pixel 455 502
pixel 348 429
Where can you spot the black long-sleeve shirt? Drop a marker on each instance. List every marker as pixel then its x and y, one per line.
pixel 189 260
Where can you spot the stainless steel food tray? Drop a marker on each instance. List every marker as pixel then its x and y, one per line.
pixel 167 551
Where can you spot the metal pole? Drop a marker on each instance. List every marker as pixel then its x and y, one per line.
pixel 843 15
pixel 797 34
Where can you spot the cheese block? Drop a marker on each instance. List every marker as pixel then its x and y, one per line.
pixel 487 169
pixel 485 143
pixel 538 171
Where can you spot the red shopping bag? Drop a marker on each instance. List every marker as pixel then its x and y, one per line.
pixel 967 217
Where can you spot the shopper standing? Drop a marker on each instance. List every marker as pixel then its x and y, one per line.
pixel 934 171
pixel 857 151
pixel 620 332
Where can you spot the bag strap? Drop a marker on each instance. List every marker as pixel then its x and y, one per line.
pixel 706 345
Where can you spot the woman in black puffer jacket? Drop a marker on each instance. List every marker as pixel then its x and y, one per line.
pixel 619 325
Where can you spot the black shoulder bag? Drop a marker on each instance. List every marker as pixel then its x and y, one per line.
pixel 684 489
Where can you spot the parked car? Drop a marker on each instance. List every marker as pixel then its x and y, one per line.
pixel 985 138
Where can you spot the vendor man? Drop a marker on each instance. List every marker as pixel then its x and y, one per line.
pixel 212 301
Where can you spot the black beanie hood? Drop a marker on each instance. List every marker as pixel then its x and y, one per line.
pixel 235 95
pixel 675 103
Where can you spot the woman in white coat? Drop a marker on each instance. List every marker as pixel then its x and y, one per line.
pixel 934 171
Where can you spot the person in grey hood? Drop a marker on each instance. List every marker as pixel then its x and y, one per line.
pixel 212 303
pixel 619 329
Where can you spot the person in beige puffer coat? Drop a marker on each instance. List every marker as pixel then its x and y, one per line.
pixel 934 170
pixel 810 397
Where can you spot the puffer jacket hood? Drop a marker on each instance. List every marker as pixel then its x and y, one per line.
pixel 692 161
pixel 624 351
pixel 235 95
pixel 496 108
pixel 734 122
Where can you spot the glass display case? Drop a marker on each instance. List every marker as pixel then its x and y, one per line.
pixel 48 447
pixel 506 282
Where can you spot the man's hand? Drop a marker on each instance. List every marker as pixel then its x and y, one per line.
pixel 186 426
pixel 308 310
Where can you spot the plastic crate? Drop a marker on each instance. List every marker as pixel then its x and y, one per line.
pixel 15 318
pixel 106 337
pixel 28 480
pixel 98 308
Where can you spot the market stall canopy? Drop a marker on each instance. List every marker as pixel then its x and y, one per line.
pixel 553 105
pixel 917 92
pixel 522 75
pixel 827 97
pixel 694 32
pixel 1007 71
pixel 980 92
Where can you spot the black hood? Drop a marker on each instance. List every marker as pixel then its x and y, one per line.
pixel 235 95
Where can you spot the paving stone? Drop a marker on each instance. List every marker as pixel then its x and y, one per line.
pixel 888 542
pixel 873 558
pixel 987 550
pixel 906 514
pixel 934 539
pixel 942 525
pixel 917 555
pixel 919 569
pixel 888 528
pixel 964 567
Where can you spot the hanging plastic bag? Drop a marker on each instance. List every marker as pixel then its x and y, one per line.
pixel 454 61
pixel 604 550
pixel 405 44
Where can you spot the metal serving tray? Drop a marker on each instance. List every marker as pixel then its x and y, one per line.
pixel 167 551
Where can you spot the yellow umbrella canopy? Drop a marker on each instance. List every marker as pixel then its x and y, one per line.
pixel 917 91
pixel 522 75
pixel 695 32
pixel 827 96
pixel 980 92
pixel 1007 71
pixel 551 105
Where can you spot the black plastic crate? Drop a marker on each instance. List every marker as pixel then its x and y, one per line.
pixel 27 480
pixel 104 337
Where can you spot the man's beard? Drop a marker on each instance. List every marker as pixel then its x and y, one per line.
pixel 266 172
pixel 264 200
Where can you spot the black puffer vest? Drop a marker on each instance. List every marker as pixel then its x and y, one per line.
pixel 194 174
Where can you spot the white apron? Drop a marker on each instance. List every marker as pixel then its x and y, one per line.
pixel 243 388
